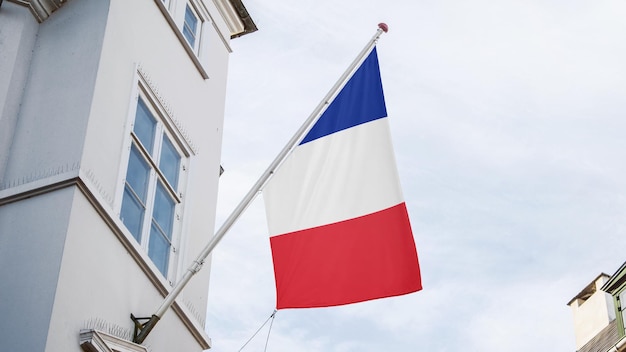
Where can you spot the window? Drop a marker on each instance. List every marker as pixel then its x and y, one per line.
pixel 187 20
pixel 621 299
pixel 190 26
pixel 151 197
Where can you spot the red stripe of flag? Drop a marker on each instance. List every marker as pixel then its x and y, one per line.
pixel 355 260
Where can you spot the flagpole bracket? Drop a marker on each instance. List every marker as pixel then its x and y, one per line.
pixel 143 326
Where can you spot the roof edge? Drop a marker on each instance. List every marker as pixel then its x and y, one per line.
pixel 248 24
pixel 616 280
pixel 582 292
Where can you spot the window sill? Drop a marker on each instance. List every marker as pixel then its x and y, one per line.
pixel 190 52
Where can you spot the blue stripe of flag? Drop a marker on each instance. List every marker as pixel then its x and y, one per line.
pixel 361 100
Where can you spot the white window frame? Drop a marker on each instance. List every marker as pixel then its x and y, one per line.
pixel 199 26
pixel 167 127
pixel 174 12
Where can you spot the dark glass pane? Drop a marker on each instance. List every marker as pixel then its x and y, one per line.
pixel 189 36
pixel 159 249
pixel 164 210
pixel 138 173
pixel 190 26
pixel 145 125
pixel 170 162
pixel 132 213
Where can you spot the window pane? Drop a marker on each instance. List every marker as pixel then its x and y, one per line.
pixel 145 125
pixel 159 249
pixel 190 27
pixel 163 210
pixel 138 173
pixel 132 213
pixel 170 162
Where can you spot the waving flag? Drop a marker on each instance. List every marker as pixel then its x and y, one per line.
pixel 339 227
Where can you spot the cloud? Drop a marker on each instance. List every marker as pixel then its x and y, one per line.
pixel 507 121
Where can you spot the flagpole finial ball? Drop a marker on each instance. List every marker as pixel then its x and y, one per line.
pixel 383 26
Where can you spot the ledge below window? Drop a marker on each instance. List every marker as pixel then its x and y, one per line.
pixel 181 38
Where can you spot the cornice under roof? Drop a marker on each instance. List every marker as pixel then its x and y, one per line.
pixel 248 23
pixel 616 280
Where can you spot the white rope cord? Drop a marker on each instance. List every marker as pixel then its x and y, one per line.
pixel 259 329
pixel 270 330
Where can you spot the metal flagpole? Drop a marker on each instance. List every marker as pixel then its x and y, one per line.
pixel 143 329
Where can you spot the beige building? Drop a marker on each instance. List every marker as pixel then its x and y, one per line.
pixel 599 317
pixel 111 115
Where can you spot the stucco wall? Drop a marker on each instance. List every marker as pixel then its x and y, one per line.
pixel 32 239
pixel 99 281
pixel 195 103
pixel 18 31
pixel 78 72
pixel 51 125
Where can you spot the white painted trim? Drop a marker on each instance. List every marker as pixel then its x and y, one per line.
pixel 98 341
pixel 224 37
pixel 201 20
pixel 41 9
pixel 38 186
pixel 175 126
pixel 128 128
pixel 230 15
pixel 168 125
pixel 179 34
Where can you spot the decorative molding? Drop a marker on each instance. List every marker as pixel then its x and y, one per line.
pixel 192 309
pixel 36 184
pixel 181 38
pixel 91 176
pixel 51 176
pixel 40 175
pixel 109 328
pixel 248 23
pixel 236 17
pixel 97 341
pixel 154 92
pixel 41 9
pixel 208 17
pixel 231 17
pixel 154 89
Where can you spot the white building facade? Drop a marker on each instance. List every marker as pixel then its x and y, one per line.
pixel 111 115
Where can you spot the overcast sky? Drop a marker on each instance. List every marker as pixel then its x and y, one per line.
pixel 508 121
